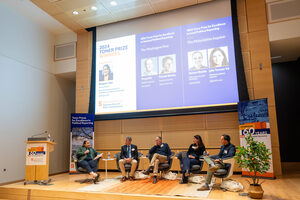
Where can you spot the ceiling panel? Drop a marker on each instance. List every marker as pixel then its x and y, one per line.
pixel 74 4
pixel 96 20
pixel 165 5
pixel 132 13
pixel 130 5
pixel 87 13
pixel 106 13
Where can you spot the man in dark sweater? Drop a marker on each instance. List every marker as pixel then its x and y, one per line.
pixel 215 162
pixel 161 153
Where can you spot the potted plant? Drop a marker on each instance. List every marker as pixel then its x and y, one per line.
pixel 254 157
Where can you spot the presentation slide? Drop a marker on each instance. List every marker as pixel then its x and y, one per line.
pixel 181 67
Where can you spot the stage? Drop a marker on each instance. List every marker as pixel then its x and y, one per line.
pixel 63 186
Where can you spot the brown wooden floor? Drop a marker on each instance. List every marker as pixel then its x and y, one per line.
pixel 64 186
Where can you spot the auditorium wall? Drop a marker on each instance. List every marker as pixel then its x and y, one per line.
pixel 33 99
pixel 178 131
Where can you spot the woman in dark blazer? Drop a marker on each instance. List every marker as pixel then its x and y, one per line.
pixel 192 158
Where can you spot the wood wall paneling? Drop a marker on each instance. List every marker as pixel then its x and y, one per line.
pixel 256 14
pixel 143 140
pixel 83 71
pixel 141 125
pixel 244 42
pixel 214 137
pixel 247 61
pixel 243 26
pixel 273 126
pixel 249 81
pixel 241 8
pixel 263 84
pixel 222 120
pixel 188 122
pixel 111 126
pixel 182 139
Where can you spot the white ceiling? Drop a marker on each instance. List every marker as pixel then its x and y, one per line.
pixel 106 12
pixel 286 48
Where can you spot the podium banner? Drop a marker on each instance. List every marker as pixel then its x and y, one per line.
pixel 36 154
pixel 82 128
pixel 254 119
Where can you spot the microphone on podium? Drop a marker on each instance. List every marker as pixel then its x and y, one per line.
pixel 35 138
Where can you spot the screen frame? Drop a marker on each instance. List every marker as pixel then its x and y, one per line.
pixel 241 81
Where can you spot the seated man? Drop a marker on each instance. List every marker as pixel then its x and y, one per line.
pixel 129 154
pixel 161 154
pixel 215 162
pixel 88 159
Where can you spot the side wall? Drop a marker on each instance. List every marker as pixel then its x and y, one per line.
pixel 178 130
pixel 32 98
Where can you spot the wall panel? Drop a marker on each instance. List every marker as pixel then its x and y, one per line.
pixel 188 122
pixel 222 120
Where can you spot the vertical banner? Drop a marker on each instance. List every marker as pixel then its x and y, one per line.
pixel 82 128
pixel 254 118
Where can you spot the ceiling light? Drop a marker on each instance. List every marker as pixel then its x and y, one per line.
pixel 75 12
pixel 94 8
pixel 113 3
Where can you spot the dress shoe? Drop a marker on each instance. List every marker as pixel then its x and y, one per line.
pixel 96 179
pixel 183 181
pixel 131 178
pixel 154 179
pixel 146 172
pixel 123 179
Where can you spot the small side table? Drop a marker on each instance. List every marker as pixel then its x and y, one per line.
pixel 107 159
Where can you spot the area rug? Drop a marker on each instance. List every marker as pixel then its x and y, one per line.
pixel 146 187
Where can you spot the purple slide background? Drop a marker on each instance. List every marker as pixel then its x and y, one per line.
pixel 181 93
pixel 159 96
pixel 206 92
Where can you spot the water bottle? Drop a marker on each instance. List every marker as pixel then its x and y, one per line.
pixel 108 155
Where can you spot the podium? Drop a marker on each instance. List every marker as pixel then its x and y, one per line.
pixel 37 161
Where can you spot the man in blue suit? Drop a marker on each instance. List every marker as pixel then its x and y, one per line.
pixel 129 154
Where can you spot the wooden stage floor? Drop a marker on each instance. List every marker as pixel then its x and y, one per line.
pixel 64 187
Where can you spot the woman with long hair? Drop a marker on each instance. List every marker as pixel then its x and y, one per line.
pixel 106 74
pixel 192 158
pixel 218 58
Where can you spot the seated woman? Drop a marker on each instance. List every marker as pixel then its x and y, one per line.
pixel 88 159
pixel 192 158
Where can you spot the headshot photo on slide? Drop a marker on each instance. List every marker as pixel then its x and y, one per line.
pixel 167 64
pixel 218 57
pixel 197 60
pixel 106 73
pixel 149 66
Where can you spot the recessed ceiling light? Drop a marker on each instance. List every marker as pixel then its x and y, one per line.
pixel 113 3
pixel 94 8
pixel 75 12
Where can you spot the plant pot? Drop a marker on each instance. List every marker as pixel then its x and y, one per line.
pixel 255 191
